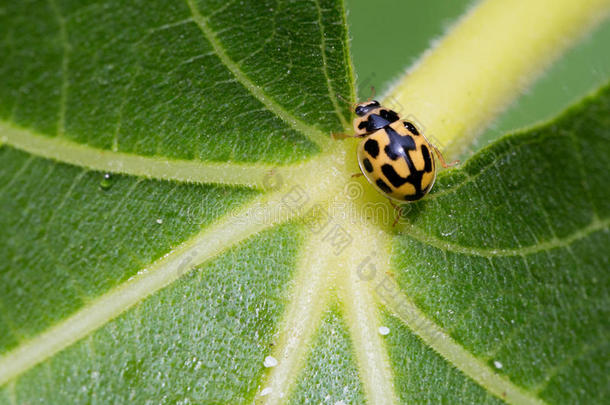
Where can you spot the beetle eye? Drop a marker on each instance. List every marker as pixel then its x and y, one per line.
pixel 360 110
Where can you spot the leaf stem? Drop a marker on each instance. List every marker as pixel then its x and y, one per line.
pixel 485 61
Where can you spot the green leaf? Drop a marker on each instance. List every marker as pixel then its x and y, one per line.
pixel 193 81
pixel 330 366
pixel 580 70
pixel 173 207
pixel 525 289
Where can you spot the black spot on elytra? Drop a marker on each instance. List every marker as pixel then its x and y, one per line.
pixel 372 147
pixel 399 148
pixel 399 145
pixel 363 124
pixel 393 177
pixel 427 159
pixel 414 197
pixel 367 165
pixel 389 115
pixel 384 187
pixel 411 128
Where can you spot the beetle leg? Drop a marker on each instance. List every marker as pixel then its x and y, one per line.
pixel 442 159
pixel 357 174
pixel 397 212
pixel 372 94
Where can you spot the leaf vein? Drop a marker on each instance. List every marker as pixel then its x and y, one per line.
pixel 310 299
pixel 314 134
pixel 436 338
pixel 18 173
pixel 554 371
pixel 331 91
pixel 64 150
pixel 210 242
pixel 438 243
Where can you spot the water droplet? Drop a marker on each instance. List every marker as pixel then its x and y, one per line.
pixel 106 182
pixel 159 221
pixel 384 330
pixel 497 364
pixel 270 361
pixel 266 391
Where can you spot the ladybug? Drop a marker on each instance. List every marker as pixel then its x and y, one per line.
pixel 393 155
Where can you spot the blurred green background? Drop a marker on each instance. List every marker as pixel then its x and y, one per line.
pixel 387 36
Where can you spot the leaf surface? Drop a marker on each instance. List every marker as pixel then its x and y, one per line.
pixel 526 289
pixel 172 200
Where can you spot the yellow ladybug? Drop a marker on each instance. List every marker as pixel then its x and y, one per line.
pixel 393 155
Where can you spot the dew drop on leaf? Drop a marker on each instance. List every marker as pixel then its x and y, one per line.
pixel 270 361
pixel 106 182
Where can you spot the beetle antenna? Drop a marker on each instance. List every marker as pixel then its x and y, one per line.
pixel 340 97
pixel 372 93
pixel 353 105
